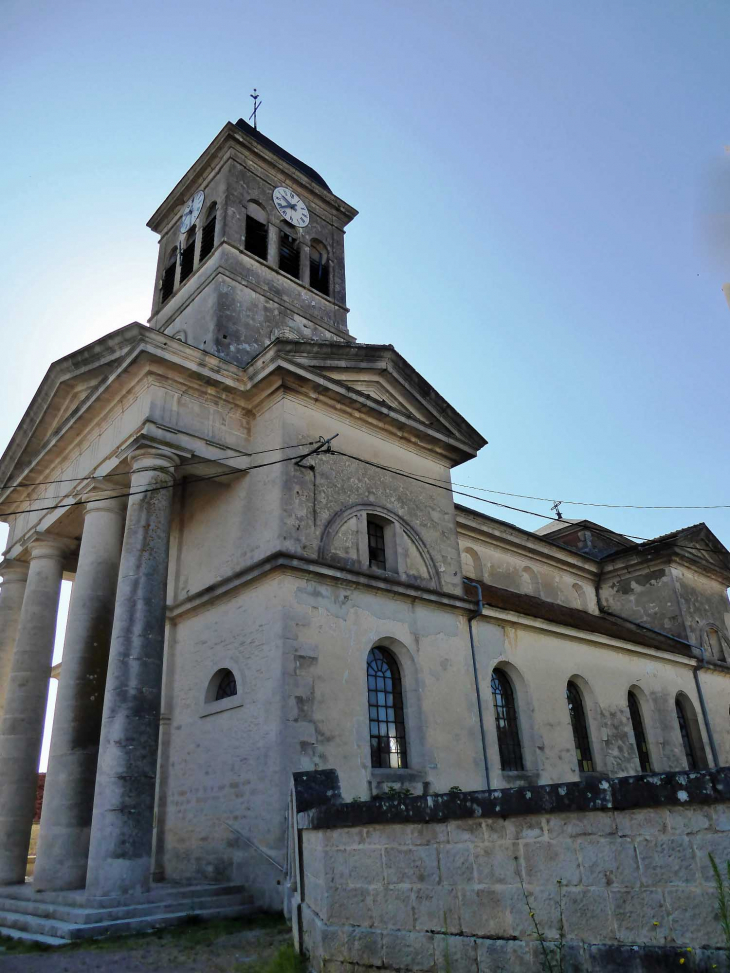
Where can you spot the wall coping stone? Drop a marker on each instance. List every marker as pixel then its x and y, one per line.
pixel 321 803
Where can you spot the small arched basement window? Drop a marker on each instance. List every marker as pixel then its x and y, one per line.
pixel 226 685
pixel 385 705
pixel 505 718
pixel 187 254
pixel 257 231
pixel 637 723
pixel 689 729
pixel 288 252
pixel 579 725
pixel 167 284
pixel 319 268
pixel 207 237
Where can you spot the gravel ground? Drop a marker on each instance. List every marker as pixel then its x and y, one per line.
pixel 220 947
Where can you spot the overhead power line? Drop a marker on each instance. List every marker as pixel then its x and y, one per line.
pixel 192 462
pixel 443 485
pixel 168 486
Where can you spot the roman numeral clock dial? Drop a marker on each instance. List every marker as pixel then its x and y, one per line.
pixel 291 207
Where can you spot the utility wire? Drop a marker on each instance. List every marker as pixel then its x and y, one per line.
pixel 167 486
pixel 191 462
pixel 105 476
pixel 534 513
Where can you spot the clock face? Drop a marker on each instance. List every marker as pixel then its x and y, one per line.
pixel 290 206
pixel 192 211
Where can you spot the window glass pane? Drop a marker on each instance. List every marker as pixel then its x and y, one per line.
pixel 505 718
pixel 580 729
pixel 387 726
pixel 639 736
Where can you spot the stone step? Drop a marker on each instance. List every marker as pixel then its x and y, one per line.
pixel 48 908
pixel 30 937
pixel 161 892
pixel 36 927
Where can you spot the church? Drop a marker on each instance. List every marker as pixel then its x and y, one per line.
pixel 271 577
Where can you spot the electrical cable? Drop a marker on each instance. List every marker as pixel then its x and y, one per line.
pixel 165 486
pixel 194 462
pixel 495 503
pixel 104 476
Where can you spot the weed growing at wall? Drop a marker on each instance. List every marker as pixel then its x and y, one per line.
pixel 723 899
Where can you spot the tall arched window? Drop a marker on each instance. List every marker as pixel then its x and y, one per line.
pixel 187 254
pixel 167 284
pixel 642 747
pixel 579 725
pixel 257 231
pixel 385 702
pixel 288 252
pixel 319 268
pixel 207 237
pixel 505 718
pixel 689 728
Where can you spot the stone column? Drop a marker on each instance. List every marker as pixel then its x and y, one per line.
pixel 15 576
pixel 68 799
pixel 122 826
pixel 21 733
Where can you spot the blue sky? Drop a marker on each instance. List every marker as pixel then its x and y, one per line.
pixel 544 196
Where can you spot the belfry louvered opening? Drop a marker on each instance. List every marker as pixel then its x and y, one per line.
pixel 187 256
pixel 257 231
pixel 207 237
pixel 167 284
pixel 288 253
pixel 319 268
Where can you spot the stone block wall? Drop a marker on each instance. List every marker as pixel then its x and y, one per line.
pixel 464 893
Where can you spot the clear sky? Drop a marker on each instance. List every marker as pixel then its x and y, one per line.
pixel 544 196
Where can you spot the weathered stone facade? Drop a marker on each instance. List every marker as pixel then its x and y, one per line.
pixel 462 882
pixel 240 455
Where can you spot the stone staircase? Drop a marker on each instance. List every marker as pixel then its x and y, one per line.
pixel 57 918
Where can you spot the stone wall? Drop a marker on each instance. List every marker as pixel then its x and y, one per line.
pixel 411 882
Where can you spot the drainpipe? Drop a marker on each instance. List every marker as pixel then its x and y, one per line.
pixel 477 613
pixel 695 671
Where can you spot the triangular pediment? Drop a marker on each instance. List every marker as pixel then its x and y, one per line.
pixel 378 377
pixel 67 385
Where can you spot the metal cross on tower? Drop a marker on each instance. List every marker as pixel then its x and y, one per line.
pixel 256 106
pixel 556 508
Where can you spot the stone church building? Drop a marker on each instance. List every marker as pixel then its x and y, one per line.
pixel 272 576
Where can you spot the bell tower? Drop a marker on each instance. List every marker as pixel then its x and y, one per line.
pixel 252 246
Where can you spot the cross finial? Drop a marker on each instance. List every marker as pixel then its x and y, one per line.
pixel 256 106
pixel 556 508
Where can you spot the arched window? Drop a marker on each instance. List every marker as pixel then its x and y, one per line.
pixel 167 284
pixel 226 685
pixel 505 718
pixel 257 231
pixel 207 237
pixel 716 644
pixel 288 252
pixel 579 725
pixel 187 254
pixel 319 268
pixel 642 747
pixel 689 728
pixel 385 702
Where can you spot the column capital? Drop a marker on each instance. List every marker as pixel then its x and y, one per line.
pixel 147 452
pixel 13 571
pixel 42 544
pixel 102 498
